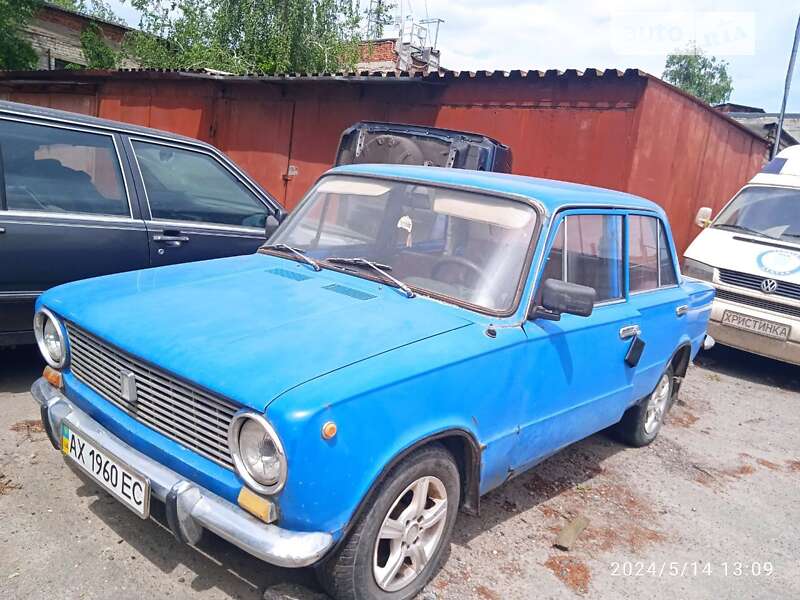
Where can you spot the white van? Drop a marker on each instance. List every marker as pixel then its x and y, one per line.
pixel 751 253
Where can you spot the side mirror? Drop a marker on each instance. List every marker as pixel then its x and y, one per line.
pixel 559 297
pixel 270 225
pixel 703 217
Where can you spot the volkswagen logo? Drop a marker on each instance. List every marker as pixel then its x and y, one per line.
pixel 768 286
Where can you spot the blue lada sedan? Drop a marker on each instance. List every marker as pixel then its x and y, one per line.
pixel 409 339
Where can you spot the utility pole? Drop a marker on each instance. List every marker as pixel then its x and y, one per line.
pixel 788 85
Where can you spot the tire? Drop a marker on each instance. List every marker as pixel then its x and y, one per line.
pixel 638 426
pixel 350 572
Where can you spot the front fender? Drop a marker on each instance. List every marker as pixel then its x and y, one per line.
pixel 458 391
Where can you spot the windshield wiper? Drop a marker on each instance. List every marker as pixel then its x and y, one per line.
pixel 297 252
pixel 736 227
pixel 380 268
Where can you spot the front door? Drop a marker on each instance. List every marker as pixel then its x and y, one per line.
pixel 579 382
pixel 199 207
pixel 65 215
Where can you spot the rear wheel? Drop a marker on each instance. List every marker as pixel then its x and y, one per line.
pixel 396 548
pixel 640 424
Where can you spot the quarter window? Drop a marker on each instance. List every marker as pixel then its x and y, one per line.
pixel 183 185
pixel 51 169
pixel 588 250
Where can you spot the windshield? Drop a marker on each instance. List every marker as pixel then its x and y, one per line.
pixel 768 211
pixel 468 246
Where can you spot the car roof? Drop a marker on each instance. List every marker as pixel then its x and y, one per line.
pixel 551 193
pixel 62 116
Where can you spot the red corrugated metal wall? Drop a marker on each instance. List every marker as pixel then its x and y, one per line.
pixel 631 133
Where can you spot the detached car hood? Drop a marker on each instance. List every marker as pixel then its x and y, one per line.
pixel 248 327
pixel 747 254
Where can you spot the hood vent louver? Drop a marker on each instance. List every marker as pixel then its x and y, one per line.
pixel 294 275
pixel 348 291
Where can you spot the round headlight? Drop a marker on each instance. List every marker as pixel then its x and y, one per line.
pixel 50 338
pixel 257 452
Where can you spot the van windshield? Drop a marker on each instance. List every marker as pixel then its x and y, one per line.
pixel 772 212
pixel 465 245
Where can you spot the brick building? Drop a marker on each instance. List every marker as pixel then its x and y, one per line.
pixel 55 34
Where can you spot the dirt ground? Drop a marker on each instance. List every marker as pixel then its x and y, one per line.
pixel 709 510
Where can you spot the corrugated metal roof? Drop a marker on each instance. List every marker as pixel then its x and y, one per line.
pixel 442 75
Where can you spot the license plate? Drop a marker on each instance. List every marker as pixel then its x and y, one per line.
pixel 124 483
pixel 770 329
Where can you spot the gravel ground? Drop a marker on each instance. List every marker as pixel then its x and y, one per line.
pixel 709 510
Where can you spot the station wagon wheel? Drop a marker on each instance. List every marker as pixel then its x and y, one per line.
pixel 397 546
pixel 641 423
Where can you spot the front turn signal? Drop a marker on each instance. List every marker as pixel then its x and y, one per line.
pixel 53 377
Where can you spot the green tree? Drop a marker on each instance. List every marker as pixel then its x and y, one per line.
pixel 243 36
pixel 96 51
pixel 16 52
pixel 703 76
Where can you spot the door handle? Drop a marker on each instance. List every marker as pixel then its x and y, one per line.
pixel 629 331
pixel 682 310
pixel 176 240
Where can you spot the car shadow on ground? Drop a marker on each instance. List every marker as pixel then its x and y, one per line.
pixel 215 563
pixel 568 469
pixel 212 564
pixel 19 368
pixel 750 367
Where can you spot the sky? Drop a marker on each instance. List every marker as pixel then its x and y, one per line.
pixel 580 34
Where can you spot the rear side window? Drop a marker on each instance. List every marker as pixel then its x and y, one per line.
pixel 666 266
pixel 183 185
pixel 50 169
pixel 588 250
pixel 650 258
pixel 643 253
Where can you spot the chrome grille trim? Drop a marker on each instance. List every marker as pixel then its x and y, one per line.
pixel 753 282
pixel 777 307
pixel 190 416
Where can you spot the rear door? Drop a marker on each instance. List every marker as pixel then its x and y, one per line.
pixel 656 295
pixel 66 213
pixel 196 206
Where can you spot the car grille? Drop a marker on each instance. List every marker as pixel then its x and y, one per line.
pixel 758 303
pixel 753 282
pixel 184 413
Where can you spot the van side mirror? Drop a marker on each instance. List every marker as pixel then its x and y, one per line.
pixel 559 297
pixel 271 224
pixel 703 218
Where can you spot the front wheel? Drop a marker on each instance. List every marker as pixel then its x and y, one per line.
pixel 396 548
pixel 641 423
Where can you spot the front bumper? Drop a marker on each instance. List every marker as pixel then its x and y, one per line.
pixel 786 351
pixel 190 507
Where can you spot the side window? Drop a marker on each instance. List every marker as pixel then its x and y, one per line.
pixel 643 252
pixel 51 169
pixel 666 265
pixel 183 185
pixel 588 250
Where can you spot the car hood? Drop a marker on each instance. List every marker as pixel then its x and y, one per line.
pixel 747 254
pixel 249 327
